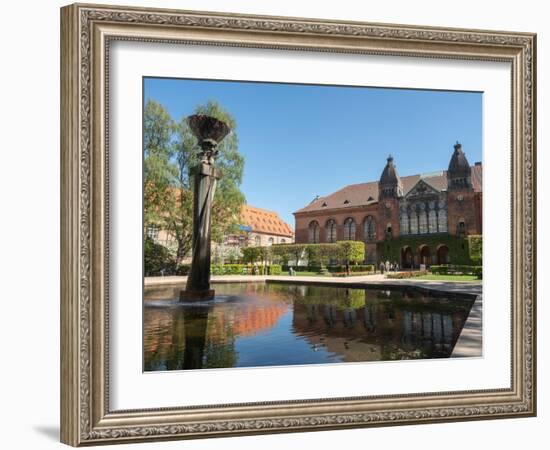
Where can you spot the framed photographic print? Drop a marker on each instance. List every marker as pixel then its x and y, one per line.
pixel 277 224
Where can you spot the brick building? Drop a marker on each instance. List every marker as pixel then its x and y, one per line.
pixel 412 220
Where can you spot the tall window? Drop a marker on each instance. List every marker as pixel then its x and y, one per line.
pixel 442 221
pixel 422 220
pixel 370 229
pixel 270 241
pixel 414 222
pixel 349 229
pixel 257 241
pixel 461 226
pixel 314 232
pixel 283 241
pixel 331 230
pixel 404 223
pixel 432 221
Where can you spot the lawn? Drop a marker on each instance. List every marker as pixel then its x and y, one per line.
pixel 446 277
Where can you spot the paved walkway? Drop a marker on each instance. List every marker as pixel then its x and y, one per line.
pixel 469 287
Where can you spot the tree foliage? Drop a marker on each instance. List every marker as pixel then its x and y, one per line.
pixel 157 259
pixel 171 150
pixel 351 251
pixel 475 248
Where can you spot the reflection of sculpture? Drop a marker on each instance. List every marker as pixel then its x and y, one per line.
pixel 209 133
pixel 195 321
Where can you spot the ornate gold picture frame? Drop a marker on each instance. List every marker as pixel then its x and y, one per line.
pixel 87 32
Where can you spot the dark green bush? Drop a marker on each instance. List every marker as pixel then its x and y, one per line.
pixel 157 259
pixel 183 269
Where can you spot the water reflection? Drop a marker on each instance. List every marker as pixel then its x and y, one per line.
pixel 274 324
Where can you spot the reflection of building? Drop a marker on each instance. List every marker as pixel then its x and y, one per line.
pixel 261 227
pixel 419 213
pixel 385 327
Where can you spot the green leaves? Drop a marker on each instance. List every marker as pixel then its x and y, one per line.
pixel 171 150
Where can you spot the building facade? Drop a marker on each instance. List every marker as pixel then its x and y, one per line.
pixel 415 220
pixel 260 227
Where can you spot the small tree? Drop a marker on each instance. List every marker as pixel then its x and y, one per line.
pixel 295 252
pixel 475 247
pixel 280 253
pixel 251 254
pixel 351 252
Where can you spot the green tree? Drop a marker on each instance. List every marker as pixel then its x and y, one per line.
pixel 351 251
pixel 158 169
pixel 157 259
pixel 252 254
pixel 475 247
pixel 171 151
pixel 228 197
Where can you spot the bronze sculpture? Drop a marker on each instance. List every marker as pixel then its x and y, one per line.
pixel 209 132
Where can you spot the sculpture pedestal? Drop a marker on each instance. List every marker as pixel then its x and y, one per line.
pixel 190 296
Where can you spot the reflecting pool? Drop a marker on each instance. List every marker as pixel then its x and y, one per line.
pixel 271 324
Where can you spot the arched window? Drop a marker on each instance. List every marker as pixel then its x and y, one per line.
pixel 283 241
pixel 461 226
pixel 270 241
pixel 330 229
pixel 349 229
pixel 370 229
pixel 314 232
pixel 257 241
pixel 389 232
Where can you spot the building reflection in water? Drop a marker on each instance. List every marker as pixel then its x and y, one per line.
pixel 298 324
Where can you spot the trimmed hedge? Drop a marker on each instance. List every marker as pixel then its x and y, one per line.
pixel 352 274
pixel 244 269
pixel 454 269
pixel 332 269
pixel 403 275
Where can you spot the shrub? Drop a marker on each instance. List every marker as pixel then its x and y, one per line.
pixel 475 247
pixel 183 269
pixel 404 275
pixel 454 269
pixel 352 274
pixel 157 259
pixel 275 269
pixel 478 272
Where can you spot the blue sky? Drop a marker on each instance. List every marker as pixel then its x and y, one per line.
pixel 300 141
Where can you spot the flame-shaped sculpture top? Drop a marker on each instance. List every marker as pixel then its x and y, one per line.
pixel 208 129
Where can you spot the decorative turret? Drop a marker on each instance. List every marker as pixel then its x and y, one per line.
pixel 390 185
pixel 459 175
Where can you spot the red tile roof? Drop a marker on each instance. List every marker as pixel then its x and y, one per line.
pixel 265 221
pixel 364 194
